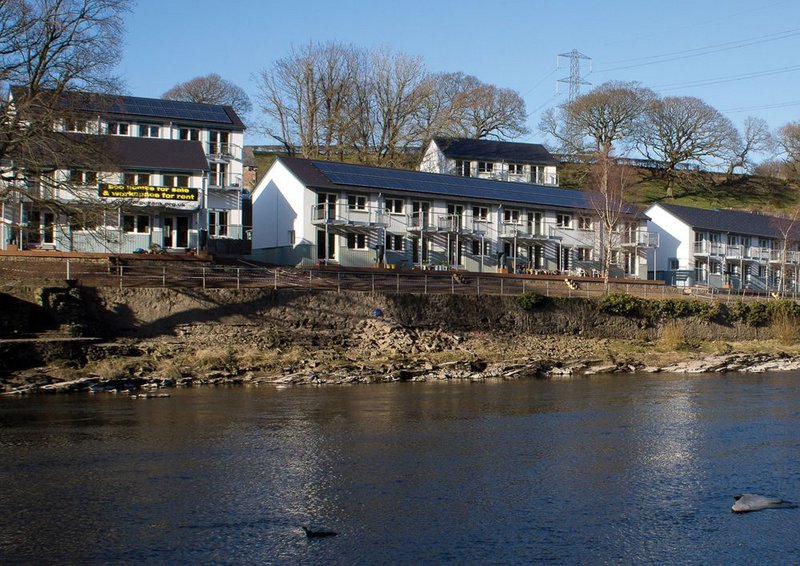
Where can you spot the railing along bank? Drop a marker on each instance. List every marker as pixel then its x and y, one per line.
pixel 384 281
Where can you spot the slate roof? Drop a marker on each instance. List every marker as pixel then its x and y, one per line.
pixel 734 221
pixel 156 153
pixel 121 106
pixel 336 176
pixel 489 150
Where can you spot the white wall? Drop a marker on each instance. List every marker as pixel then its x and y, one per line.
pixel 676 239
pixel 280 204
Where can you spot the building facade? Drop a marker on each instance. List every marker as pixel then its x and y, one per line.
pixel 167 175
pixel 725 248
pixel 488 159
pixel 307 211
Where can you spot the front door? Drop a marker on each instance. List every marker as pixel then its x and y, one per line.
pixel 176 232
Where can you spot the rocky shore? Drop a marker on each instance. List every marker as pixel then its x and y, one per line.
pixel 154 340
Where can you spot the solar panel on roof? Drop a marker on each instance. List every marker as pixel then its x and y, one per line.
pixel 451 185
pixel 176 109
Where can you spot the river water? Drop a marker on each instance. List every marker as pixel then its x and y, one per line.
pixel 602 470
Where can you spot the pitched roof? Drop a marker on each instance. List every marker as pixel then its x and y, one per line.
pixel 156 153
pixel 490 150
pixel 221 116
pixel 734 221
pixel 337 176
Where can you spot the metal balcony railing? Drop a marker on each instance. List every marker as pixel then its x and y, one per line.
pixel 343 214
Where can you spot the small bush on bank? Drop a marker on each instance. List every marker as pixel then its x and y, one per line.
pixel 784 326
pixel 673 336
pixel 531 301
pixel 620 304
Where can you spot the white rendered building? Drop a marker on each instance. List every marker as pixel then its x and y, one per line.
pixel 170 177
pixel 309 211
pixel 489 159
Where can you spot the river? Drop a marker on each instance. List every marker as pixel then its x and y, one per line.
pixel 601 470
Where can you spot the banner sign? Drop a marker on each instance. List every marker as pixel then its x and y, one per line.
pixel 107 190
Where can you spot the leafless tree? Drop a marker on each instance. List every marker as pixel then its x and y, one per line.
pixel 788 225
pixel 53 53
pixel 678 130
pixel 377 105
pixel 600 121
pixel 756 137
pixel 788 137
pixel 610 182
pixel 211 89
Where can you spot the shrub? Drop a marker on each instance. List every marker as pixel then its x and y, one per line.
pixel 673 336
pixel 530 301
pixel 621 304
pixel 783 326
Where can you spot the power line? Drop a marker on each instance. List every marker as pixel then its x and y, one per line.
pixel 728 79
pixel 700 51
pixel 763 107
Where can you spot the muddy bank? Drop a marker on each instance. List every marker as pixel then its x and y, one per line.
pixel 154 338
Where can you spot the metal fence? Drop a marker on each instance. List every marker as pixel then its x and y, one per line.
pixel 179 275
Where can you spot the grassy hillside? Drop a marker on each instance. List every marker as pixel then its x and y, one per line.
pixel 699 188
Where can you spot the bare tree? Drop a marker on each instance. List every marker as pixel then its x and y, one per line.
pixel 211 89
pixel 789 141
pixel 600 120
pixel 610 181
pixel 487 111
pixel 756 137
pixel 789 228
pixel 52 54
pixel 679 130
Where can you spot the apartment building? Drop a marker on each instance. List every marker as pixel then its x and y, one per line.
pixel 725 248
pixel 167 175
pixel 310 211
pixel 488 159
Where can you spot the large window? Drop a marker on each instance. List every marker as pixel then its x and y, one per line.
pixel 176 180
pixel 192 134
pixel 394 242
pixel 476 248
pixel 218 143
pixel 585 223
pixel 564 220
pixel 136 179
pixel 511 216
pixel 356 241
pixel 217 175
pixel 149 130
pixel 516 169
pixel 136 223
pixel 394 205
pixel 480 213
pixel 118 128
pixel 218 223
pixel 463 168
pixel 83 178
pixel 583 254
pixel 485 166
pixel 356 202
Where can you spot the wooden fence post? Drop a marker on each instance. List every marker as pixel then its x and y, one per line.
pixel 163 277
pixel 204 278
pixel 120 277
pixel 373 282
pixel 478 280
pixel 338 281
pixel 426 283
pixel 397 290
pixel 237 278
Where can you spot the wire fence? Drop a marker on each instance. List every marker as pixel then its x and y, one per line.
pixel 175 275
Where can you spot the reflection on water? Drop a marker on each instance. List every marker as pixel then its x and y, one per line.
pixel 601 470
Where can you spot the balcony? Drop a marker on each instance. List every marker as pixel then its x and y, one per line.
pixel 639 239
pixel 346 219
pixel 528 232
pixel 224 180
pixel 222 151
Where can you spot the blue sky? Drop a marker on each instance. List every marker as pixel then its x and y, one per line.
pixel 738 55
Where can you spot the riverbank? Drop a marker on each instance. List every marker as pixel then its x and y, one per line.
pixel 152 338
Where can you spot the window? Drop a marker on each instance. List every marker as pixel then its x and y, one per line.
pixel 356 202
pixel 83 178
pixel 564 220
pixel 136 223
pixel 511 216
pixel 394 242
pixel 76 125
pixel 463 168
pixel 584 223
pixel 356 241
pixel 674 264
pixel 218 143
pixel 176 180
pixel 136 179
pixel 217 174
pixel 148 130
pixel 516 169
pixel 394 205
pixel 217 222
pixel 583 254
pixel 292 237
pixel 191 134
pixel 118 128
pixel 476 248
pixel 485 166
pixel 716 267
pixel 480 213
